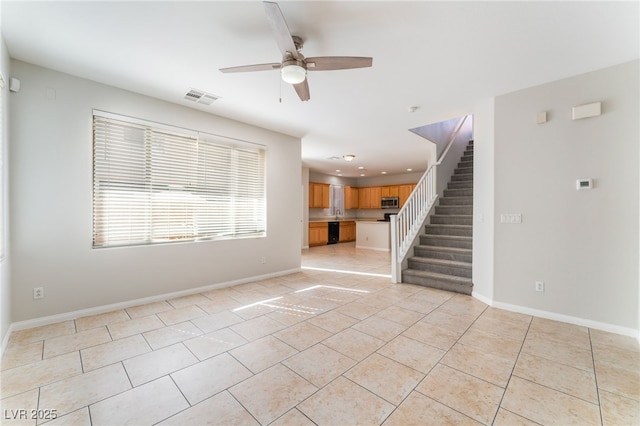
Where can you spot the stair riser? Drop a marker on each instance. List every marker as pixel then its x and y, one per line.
pixel 465 178
pixel 456 201
pixel 463 170
pixel 467 192
pixel 457 210
pixel 442 255
pixel 441 269
pixel 442 285
pixel 451 220
pixel 432 240
pixel 460 185
pixel 439 230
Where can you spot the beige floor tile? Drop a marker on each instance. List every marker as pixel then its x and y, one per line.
pixel 319 364
pixel 99 320
pixel 567 334
pixel 432 335
pixel 146 404
pixel 466 394
pixel 473 361
pixel 251 311
pixel 172 334
pixel 379 327
pixel 271 393
pixel 431 296
pixel 214 343
pixel 221 409
pixel 290 315
pixel 18 410
pixel 620 358
pixel 148 309
pixel 263 353
pixel 79 391
pixel 507 418
pixel 462 304
pixel 135 326
pixel 354 344
pixel 79 417
pixel 219 304
pixel 500 327
pixel 449 321
pixel 216 321
pixel 73 342
pixel 303 335
pixel 400 315
pixel 349 402
pixel 112 352
pixel 43 332
pixel 412 353
pixel 507 316
pixel 17 355
pixel 153 365
pixel 200 381
pixel 555 351
pixel 548 406
pixel 256 328
pixel 603 338
pixel 618 410
pixel 31 376
pixel 333 321
pixel 180 315
pixel 418 409
pixel 357 310
pixel 618 380
pixel 384 377
pixel 186 301
pixel 492 344
pixel 293 417
pixel 561 377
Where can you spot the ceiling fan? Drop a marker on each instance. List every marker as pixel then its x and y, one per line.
pixel 294 65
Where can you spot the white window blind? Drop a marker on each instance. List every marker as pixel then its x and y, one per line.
pixel 153 184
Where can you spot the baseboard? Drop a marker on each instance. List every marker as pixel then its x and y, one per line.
pixel 611 328
pixel 52 319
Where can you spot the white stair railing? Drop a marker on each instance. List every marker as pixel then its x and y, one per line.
pixel 406 225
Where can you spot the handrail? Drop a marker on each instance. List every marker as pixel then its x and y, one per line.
pixel 406 225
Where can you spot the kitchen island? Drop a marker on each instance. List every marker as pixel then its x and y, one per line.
pixel 373 234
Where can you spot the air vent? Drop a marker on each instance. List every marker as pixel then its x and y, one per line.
pixel 200 97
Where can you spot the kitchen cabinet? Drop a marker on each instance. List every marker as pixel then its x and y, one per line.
pixel 350 197
pixel 404 191
pixel 318 233
pixel 319 195
pixel 364 198
pixel 376 194
pixel 347 231
pixel 389 191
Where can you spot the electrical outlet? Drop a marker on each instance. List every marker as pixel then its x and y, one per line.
pixel 263 259
pixel 38 293
pixel 539 285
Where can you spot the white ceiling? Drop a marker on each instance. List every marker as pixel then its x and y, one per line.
pixel 439 56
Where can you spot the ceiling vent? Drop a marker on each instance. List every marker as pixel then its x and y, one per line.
pixel 201 97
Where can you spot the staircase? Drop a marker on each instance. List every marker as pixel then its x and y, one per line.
pixel 443 258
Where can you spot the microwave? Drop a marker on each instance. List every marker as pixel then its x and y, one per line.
pixel 389 202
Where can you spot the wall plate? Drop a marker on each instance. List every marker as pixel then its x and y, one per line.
pixel 584 184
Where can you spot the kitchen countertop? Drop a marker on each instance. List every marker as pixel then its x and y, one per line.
pixel 347 220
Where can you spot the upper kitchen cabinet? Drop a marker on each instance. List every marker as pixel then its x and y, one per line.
pixel 389 191
pixel 364 198
pixel 404 191
pixel 376 195
pixel 319 195
pixel 350 198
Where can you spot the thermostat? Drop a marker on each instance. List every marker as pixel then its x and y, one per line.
pixel 584 184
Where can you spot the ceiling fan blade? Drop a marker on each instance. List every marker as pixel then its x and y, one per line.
pixel 328 63
pixel 280 29
pixel 302 89
pixel 255 67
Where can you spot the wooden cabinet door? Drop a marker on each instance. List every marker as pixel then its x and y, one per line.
pixel 325 203
pixel 364 198
pixel 319 195
pixel 318 233
pixel 403 192
pixel 350 197
pixel 347 231
pixel 376 194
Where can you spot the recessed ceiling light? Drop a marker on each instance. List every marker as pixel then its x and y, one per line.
pixel 360 168
pixel 409 170
pixel 338 171
pixel 384 173
pixel 362 174
pixel 349 157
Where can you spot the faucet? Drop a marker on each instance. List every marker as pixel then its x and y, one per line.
pixel 338 213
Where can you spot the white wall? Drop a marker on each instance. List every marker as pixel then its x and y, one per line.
pixel 5 284
pixel 51 154
pixel 582 244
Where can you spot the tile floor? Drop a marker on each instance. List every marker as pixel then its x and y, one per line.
pixel 322 346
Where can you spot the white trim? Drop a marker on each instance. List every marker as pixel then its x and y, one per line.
pixel 625 331
pixel 482 298
pixel 52 319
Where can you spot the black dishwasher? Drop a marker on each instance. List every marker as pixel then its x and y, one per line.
pixel 334 232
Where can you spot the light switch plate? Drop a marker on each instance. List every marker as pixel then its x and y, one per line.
pixel 514 218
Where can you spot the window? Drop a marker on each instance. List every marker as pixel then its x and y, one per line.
pixel 157 184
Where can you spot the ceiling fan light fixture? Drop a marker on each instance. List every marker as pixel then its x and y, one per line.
pixel 293 73
pixel 349 157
